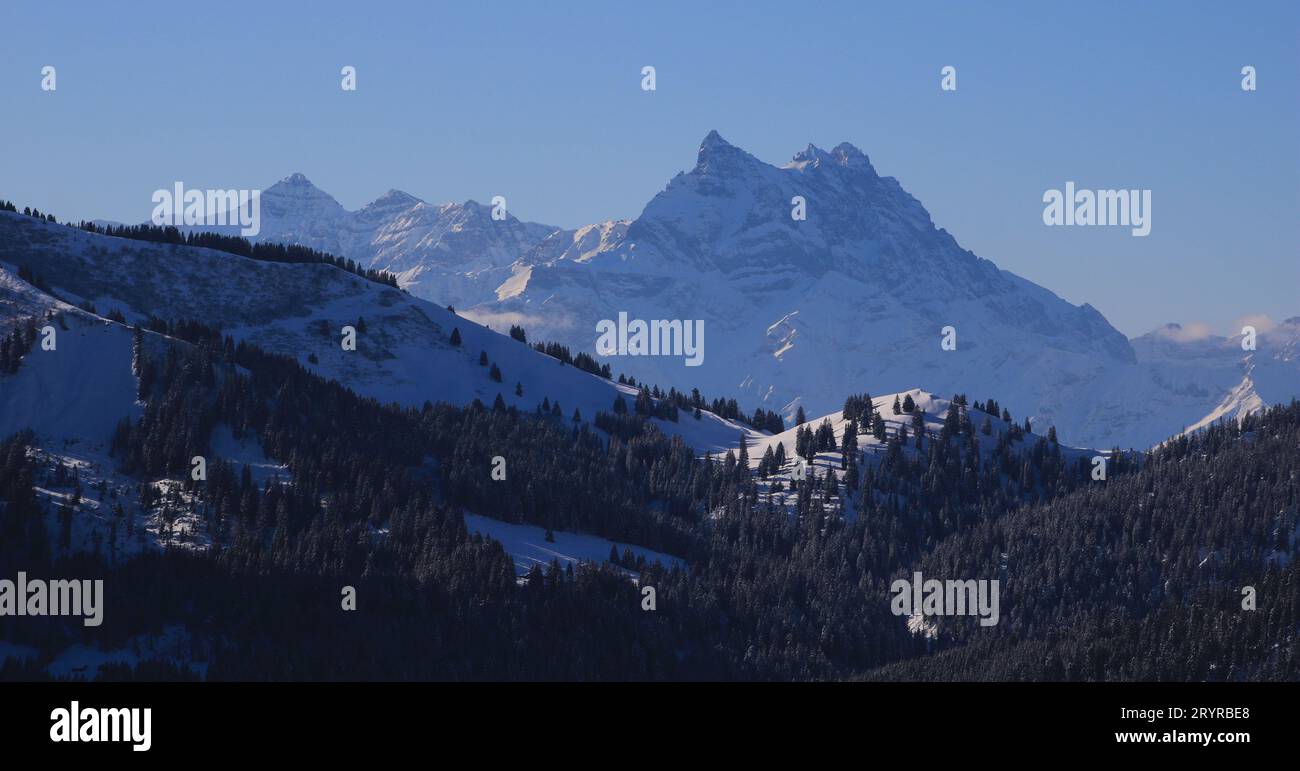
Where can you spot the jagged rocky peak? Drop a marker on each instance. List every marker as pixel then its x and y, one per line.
pixel 718 155
pixel 296 179
pixel 843 155
pixel 713 140
pixel 469 206
pixel 810 154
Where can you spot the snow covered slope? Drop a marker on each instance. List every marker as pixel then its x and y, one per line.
pixel 72 397
pixel 403 354
pixel 528 546
pixel 80 390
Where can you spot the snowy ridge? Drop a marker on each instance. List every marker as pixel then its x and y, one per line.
pixel 933 408
pixel 404 353
pixel 777 487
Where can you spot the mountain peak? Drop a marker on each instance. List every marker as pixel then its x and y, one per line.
pixel 810 154
pixel 714 140
pixel 717 154
pixel 843 154
pixel 394 198
pixel 846 152
pixel 296 179
pixel 469 206
pixel 295 193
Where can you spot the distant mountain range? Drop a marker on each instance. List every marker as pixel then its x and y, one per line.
pixel 801 312
pixel 452 253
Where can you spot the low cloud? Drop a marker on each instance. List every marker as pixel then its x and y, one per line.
pixel 1260 321
pixel 502 320
pixel 1186 333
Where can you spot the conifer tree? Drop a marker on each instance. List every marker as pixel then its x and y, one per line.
pixel 849 444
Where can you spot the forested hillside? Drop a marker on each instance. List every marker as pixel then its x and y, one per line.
pixel 1134 577
pixel 1144 577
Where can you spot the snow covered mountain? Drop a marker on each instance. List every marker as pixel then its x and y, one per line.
pixel 452 253
pixel 799 311
pixel 857 295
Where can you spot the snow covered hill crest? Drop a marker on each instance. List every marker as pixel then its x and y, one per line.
pixel 408 350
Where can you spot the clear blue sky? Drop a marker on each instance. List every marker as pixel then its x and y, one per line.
pixel 541 102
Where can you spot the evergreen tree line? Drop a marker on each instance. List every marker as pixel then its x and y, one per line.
pixel 1138 576
pixel 583 361
pixel 1143 577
